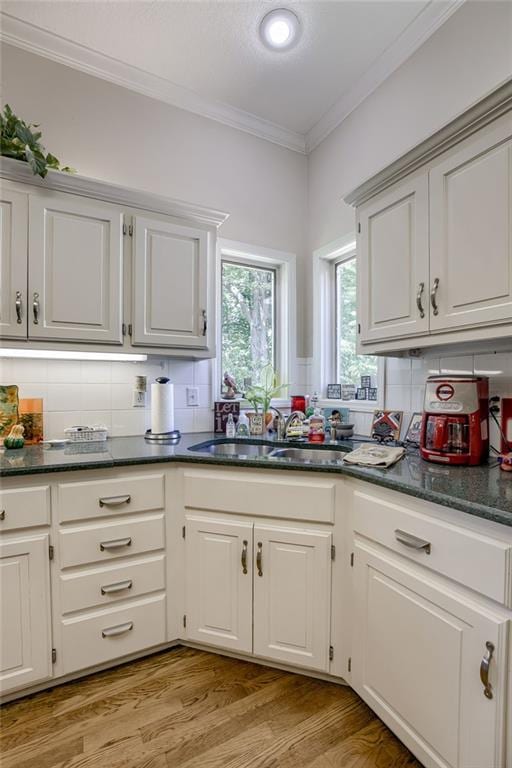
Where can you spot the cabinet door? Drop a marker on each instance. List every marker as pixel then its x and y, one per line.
pixel 25 647
pixel 392 263
pixel 471 231
pixel 170 289
pixel 417 654
pixel 13 263
pixel 75 270
pixel 292 589
pixel 219 583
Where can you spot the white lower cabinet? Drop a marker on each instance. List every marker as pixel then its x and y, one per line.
pixel 292 586
pixel 259 589
pixel 25 648
pixel 420 656
pixel 218 583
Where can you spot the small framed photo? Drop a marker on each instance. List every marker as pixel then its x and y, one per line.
pixel 372 393
pixel 348 392
pixel 387 424
pixel 414 429
pixel 366 381
pixel 362 393
pixel 336 415
pixel 334 391
pixel 222 409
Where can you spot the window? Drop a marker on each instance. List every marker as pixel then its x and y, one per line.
pixel 248 320
pixel 349 365
pixel 256 310
pixel 335 359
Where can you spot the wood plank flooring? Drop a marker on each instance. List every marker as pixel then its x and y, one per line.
pixel 190 709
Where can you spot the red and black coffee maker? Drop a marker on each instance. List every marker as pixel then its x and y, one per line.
pixel 455 424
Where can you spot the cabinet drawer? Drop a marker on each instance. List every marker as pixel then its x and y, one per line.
pixel 245 493
pixel 473 559
pixel 103 498
pixel 97 543
pixel 112 633
pixel 110 584
pixel 24 508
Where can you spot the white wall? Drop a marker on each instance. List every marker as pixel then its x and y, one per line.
pixel 111 133
pixel 470 55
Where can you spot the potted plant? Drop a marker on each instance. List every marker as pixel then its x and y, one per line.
pixel 19 141
pixel 260 396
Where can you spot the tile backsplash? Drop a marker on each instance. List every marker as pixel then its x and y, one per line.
pixel 86 392
pixel 405 379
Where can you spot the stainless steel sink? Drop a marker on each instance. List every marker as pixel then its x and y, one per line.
pixel 309 455
pixel 238 449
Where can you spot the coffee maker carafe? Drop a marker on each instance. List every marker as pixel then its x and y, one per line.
pixel 455 424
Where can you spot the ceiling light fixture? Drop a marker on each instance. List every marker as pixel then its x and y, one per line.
pixel 279 29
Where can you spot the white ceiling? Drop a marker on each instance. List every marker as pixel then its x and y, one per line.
pixel 207 56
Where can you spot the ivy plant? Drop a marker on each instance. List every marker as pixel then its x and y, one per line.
pixel 19 140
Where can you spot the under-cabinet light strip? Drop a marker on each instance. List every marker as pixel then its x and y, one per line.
pixel 51 354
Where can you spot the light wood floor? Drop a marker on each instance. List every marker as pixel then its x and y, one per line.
pixel 189 709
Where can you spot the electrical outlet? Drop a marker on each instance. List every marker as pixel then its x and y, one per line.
pixel 192 396
pixel 139 399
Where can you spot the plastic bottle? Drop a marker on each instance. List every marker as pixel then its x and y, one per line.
pixel 230 426
pixel 316 427
pixel 242 427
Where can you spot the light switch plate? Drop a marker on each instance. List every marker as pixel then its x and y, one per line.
pixel 192 396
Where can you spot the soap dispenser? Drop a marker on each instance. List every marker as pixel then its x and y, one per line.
pixel 316 427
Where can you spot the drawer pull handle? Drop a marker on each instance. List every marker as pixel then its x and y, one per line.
pixel 2 514
pixel 116 543
pixel 259 559
pixel 108 589
pixel 408 540
pixel 115 501
pixel 119 630
pixel 244 557
pixel 484 670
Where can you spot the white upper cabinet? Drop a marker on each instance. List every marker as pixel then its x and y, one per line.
pixel 471 231
pixel 292 595
pixel 75 270
pixel 393 262
pixel 434 243
pixel 13 263
pixel 170 275
pixel 25 647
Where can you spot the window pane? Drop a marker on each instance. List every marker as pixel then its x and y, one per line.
pixel 350 367
pixel 248 321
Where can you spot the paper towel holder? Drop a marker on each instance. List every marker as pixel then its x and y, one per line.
pixel 163 437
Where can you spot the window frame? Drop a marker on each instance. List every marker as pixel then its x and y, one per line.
pixel 284 264
pixel 324 369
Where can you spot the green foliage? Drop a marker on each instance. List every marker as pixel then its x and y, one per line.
pixel 247 321
pixel 263 393
pixel 350 365
pixel 19 141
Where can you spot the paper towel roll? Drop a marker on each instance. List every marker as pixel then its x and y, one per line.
pixel 162 406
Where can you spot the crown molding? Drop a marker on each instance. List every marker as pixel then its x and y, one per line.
pixel 496 104
pixel 418 31
pixel 18 171
pixel 35 40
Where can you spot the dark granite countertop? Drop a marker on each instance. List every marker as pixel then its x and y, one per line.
pixel 483 491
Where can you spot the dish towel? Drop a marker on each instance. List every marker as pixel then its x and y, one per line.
pixel 371 455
